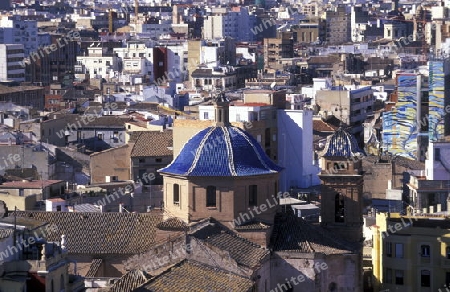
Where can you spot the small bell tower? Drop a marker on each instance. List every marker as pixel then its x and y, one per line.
pixel 221 111
pixel 342 186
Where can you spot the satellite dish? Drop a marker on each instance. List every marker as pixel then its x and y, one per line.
pixel 272 86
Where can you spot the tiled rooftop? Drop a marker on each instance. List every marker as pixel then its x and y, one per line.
pixel 190 276
pixel 292 233
pixel 101 233
pixel 222 151
pixel 130 281
pixel 173 224
pixel 341 144
pixel 35 184
pixel 321 126
pixel 252 225
pixel 243 251
pixel 5 232
pixel 93 269
pixel 153 143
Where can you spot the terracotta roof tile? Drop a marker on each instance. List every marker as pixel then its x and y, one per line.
pixel 243 251
pixel 152 143
pixel 292 233
pixel 130 281
pixel 101 233
pixel 321 126
pixel 174 224
pixel 190 276
pixel 93 269
pixel 4 233
pixel 252 225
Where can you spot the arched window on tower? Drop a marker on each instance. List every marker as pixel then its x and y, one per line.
pixel 211 196
pixel 176 194
pixel 339 207
pixel 62 283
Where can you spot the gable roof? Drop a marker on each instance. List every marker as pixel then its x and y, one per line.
pixel 130 281
pixel 292 233
pixel 191 276
pixel 93 269
pixel 243 251
pixel 321 126
pixel 101 233
pixel 153 143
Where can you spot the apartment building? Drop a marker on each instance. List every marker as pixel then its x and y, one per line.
pixel 277 48
pixel 350 105
pixel 136 58
pixel 228 23
pixel 99 63
pixel 401 133
pixel 438 160
pixel 14 30
pixel 11 57
pixel 338 26
pixel 411 253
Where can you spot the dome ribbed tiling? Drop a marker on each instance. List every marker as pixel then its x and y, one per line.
pixel 221 151
pixel 342 144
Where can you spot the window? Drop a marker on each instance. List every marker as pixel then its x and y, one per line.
pixel 267 137
pixel 211 196
pixel 21 194
pixel 205 115
pixel 425 250
pixel 399 277
pixel 447 251
pixel 388 276
pixel 58 208
pixel 252 195
pixel 399 250
pixel 176 194
pixel 158 159
pixel 63 286
pixel 141 160
pixel 100 136
pixel 388 249
pixel 437 154
pixel 425 278
pixel 339 207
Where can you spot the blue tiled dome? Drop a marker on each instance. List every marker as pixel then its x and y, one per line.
pixel 342 144
pixel 221 151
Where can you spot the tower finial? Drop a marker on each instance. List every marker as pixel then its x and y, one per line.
pixel 221 109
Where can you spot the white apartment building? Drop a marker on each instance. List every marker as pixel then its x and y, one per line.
pixel 223 24
pixel 177 61
pixel 295 149
pixel 136 58
pixel 11 58
pixel 99 64
pixel 153 30
pixel 437 164
pixel 13 30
